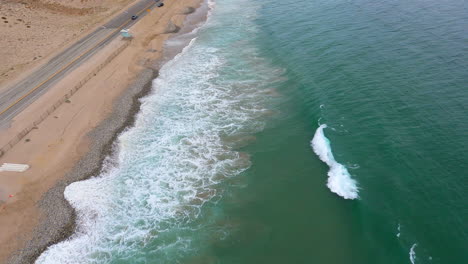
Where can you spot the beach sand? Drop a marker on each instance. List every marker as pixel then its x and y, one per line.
pixel 33 31
pixel 72 142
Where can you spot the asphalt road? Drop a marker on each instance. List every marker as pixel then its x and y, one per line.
pixel 17 97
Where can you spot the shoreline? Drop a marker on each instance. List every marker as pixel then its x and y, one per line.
pixel 103 139
pixel 53 204
pixel 101 144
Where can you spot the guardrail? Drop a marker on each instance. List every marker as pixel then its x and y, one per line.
pixel 62 100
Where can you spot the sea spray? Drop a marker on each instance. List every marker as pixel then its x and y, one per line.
pixel 412 254
pixel 339 179
pixel 154 199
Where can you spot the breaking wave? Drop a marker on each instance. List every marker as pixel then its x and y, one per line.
pixel 339 179
pixel 148 202
pixel 412 254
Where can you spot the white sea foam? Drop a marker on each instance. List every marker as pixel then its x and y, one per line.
pixel 206 103
pixel 339 179
pixel 412 254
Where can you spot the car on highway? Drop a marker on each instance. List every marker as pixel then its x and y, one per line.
pixel 134 17
pixel 160 4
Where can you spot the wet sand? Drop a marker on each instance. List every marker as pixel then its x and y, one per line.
pixel 72 142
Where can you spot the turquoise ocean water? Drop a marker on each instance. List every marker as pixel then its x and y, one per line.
pixel 293 132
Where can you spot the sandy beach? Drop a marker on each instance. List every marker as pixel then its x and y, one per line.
pixel 34 31
pixel 72 142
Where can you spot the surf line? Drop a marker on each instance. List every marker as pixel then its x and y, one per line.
pixel 339 179
pixel 412 254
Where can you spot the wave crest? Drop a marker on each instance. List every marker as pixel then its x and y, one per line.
pixel 339 179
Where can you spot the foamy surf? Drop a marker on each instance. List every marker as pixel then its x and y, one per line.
pixel 412 254
pixel 148 202
pixel 339 179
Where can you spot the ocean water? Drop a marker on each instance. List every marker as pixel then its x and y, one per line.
pixel 293 132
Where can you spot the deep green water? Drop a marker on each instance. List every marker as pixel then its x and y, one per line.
pixel 392 80
pixel 219 167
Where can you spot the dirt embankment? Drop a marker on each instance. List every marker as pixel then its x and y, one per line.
pixel 33 30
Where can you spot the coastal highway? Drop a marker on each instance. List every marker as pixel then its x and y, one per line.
pixel 17 97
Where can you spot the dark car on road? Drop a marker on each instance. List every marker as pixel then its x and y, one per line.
pixel 160 4
pixel 134 17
